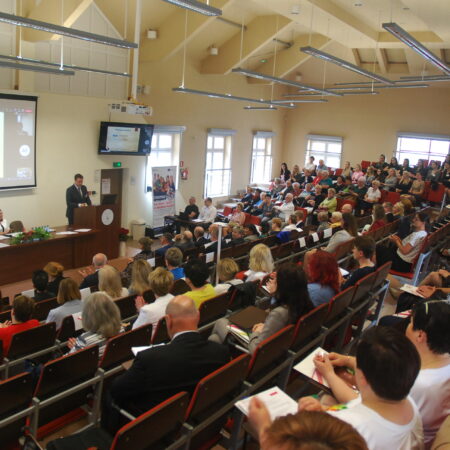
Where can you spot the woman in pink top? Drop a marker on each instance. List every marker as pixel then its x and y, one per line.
pixel 357 173
pixel 238 216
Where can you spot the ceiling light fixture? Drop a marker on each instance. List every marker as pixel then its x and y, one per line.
pixel 261 108
pixel 226 96
pixel 428 79
pixel 262 76
pixel 414 44
pixel 196 6
pixel 65 66
pixel 64 31
pixel 31 68
pixel 345 64
pixel 282 102
pixel 401 86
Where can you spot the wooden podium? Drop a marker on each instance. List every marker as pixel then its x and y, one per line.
pixel 104 218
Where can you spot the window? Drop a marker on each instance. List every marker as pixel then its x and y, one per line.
pixel 218 163
pixel 328 148
pixel 419 146
pixel 261 157
pixel 166 143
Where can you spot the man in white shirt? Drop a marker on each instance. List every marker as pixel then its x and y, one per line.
pixel 3 224
pixel 209 212
pixel 310 165
pixel 386 367
pixel 287 208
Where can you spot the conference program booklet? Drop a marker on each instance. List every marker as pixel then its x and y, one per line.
pixel 307 367
pixel 277 402
pixel 238 333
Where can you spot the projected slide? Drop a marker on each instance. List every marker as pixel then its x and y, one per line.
pixel 17 141
pixel 121 139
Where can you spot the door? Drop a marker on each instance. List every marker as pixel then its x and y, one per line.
pixel 111 184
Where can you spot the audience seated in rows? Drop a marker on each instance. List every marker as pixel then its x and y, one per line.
pixel 40 284
pixel 166 241
pixel 110 283
pixel 290 300
pixel 184 241
pixel 21 320
pixel 160 282
pixel 55 273
pixel 227 270
pixel 162 371
pixel 199 235
pixel 306 430
pixel 100 319
pixel 90 275
pixel 403 251
pixel 69 299
pixel 140 271
pixel 386 367
pixel 196 276
pixel 174 260
pixel 260 263
pixel 349 231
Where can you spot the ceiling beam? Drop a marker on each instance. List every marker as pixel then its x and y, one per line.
pixel 290 58
pixel 382 60
pixel 259 33
pixel 171 34
pixel 345 17
pixel 356 56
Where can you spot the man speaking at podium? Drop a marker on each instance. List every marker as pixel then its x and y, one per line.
pixel 76 196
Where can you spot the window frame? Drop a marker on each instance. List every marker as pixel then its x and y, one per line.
pixel 429 155
pixel 267 157
pixel 227 135
pixel 327 140
pixel 176 133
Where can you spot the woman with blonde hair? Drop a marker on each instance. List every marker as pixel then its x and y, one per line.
pixel 227 269
pixel 109 282
pixel 161 280
pixel 347 170
pixel 69 299
pixel 55 273
pixel 101 321
pixel 140 272
pixel 260 264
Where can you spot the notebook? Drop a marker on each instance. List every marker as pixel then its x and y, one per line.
pixel 248 317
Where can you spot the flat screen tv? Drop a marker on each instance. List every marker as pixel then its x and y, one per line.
pixel 118 138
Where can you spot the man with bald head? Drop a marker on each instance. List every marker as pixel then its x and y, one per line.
pixel 162 371
pixel 90 275
pixel 347 208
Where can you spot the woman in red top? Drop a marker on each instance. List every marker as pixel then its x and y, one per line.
pixel 379 218
pixel 21 316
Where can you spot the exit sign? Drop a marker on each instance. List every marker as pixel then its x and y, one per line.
pixel 117 164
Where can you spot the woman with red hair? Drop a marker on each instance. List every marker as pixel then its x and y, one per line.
pixel 323 277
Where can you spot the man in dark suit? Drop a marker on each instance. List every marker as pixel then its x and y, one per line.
pixel 237 236
pixel 166 241
pixel 163 371
pixel 213 245
pixel 76 196
pixel 90 276
pixel 199 235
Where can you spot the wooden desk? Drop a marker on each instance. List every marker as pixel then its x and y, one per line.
pixel 17 262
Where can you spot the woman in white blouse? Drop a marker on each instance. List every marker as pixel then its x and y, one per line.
pixel 110 283
pixel 429 331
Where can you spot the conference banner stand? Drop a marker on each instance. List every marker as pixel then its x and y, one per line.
pixel 163 187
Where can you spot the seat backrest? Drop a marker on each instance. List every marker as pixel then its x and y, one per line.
pixel 214 308
pixel 382 273
pixel 179 287
pixel 365 164
pixel 393 197
pixel 118 348
pixel 343 249
pixel 161 335
pixel 363 286
pixel 16 394
pixel 62 374
pixel 284 250
pixel 255 220
pixel 270 241
pixel 126 306
pixel 32 340
pixel 28 293
pixel 437 195
pixel 164 421
pixel 241 250
pixel 67 329
pixel 217 388
pixel 308 326
pixel 191 253
pixel 42 308
pixel 339 303
pixel 243 295
pixel 269 353
pixel 227 211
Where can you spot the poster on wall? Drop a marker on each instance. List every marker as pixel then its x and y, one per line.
pixel 163 186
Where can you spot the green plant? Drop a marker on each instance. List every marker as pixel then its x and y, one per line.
pixel 36 234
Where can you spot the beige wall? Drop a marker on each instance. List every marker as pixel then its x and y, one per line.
pixel 67 142
pixel 368 124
